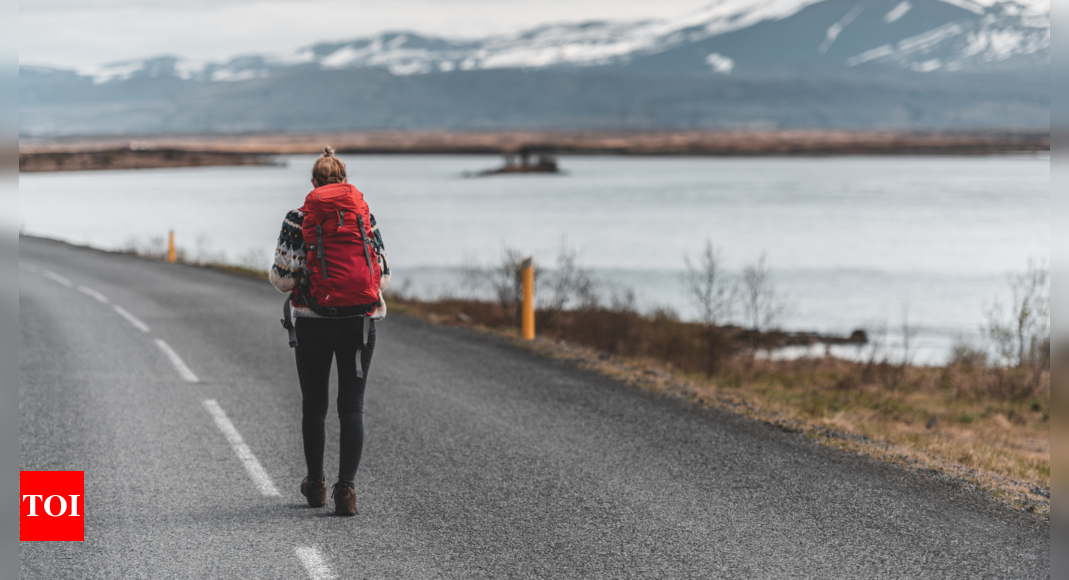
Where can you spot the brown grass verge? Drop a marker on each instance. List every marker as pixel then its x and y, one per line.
pixel 978 426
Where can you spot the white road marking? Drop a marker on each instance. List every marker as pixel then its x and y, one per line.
pixel 87 290
pixel 256 471
pixel 131 319
pixel 52 275
pixel 27 267
pixel 177 361
pixel 314 563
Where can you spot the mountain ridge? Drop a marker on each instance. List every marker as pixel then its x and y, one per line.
pixel 839 64
pixel 908 34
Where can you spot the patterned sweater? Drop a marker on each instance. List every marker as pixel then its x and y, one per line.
pixel 288 269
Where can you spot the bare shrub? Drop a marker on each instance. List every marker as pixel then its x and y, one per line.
pixel 156 247
pixel 709 288
pixel 1020 331
pixel 569 286
pixel 566 287
pixel 909 331
pixel 875 361
pixel 507 284
pixel 471 279
pixel 716 295
pixel 967 355
pixel 763 307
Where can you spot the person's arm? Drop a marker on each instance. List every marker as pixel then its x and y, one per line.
pixel 380 250
pixel 288 268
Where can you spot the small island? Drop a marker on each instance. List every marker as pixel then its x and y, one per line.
pixel 526 161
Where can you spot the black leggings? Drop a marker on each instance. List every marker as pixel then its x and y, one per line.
pixel 319 340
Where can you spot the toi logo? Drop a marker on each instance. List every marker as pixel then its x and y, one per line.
pixel 52 506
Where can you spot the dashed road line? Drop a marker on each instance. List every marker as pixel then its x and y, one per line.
pixel 314 563
pixel 53 276
pixel 131 318
pixel 177 361
pixel 310 557
pixel 256 471
pixel 87 290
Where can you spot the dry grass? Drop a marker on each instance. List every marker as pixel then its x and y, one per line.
pixel 988 428
pixel 1060 428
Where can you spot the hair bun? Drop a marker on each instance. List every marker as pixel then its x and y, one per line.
pixel 328 152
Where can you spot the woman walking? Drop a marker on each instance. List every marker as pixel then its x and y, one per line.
pixel 331 260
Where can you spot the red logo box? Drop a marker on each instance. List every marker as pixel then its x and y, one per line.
pixel 52 506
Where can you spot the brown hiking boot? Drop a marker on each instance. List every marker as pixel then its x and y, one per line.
pixel 315 490
pixel 344 499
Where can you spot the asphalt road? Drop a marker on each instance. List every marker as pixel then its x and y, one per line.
pixel 482 460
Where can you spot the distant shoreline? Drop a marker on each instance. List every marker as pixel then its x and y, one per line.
pixel 89 153
pixel 128 158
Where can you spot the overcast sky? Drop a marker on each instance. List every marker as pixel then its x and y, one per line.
pixel 70 33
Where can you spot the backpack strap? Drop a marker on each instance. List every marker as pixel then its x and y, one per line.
pixel 287 322
pixel 365 242
pixel 365 320
pixel 319 250
pixel 365 327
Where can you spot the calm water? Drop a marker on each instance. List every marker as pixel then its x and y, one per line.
pixel 852 241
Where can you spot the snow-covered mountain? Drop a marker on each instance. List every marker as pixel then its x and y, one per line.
pixel 724 37
pixel 905 64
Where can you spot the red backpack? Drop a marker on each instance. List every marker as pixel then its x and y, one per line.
pixel 341 268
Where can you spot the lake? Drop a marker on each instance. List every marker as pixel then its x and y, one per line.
pixel 853 242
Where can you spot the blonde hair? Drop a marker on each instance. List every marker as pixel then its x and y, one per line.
pixel 328 168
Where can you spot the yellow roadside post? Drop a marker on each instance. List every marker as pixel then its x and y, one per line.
pixel 170 248
pixel 527 275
